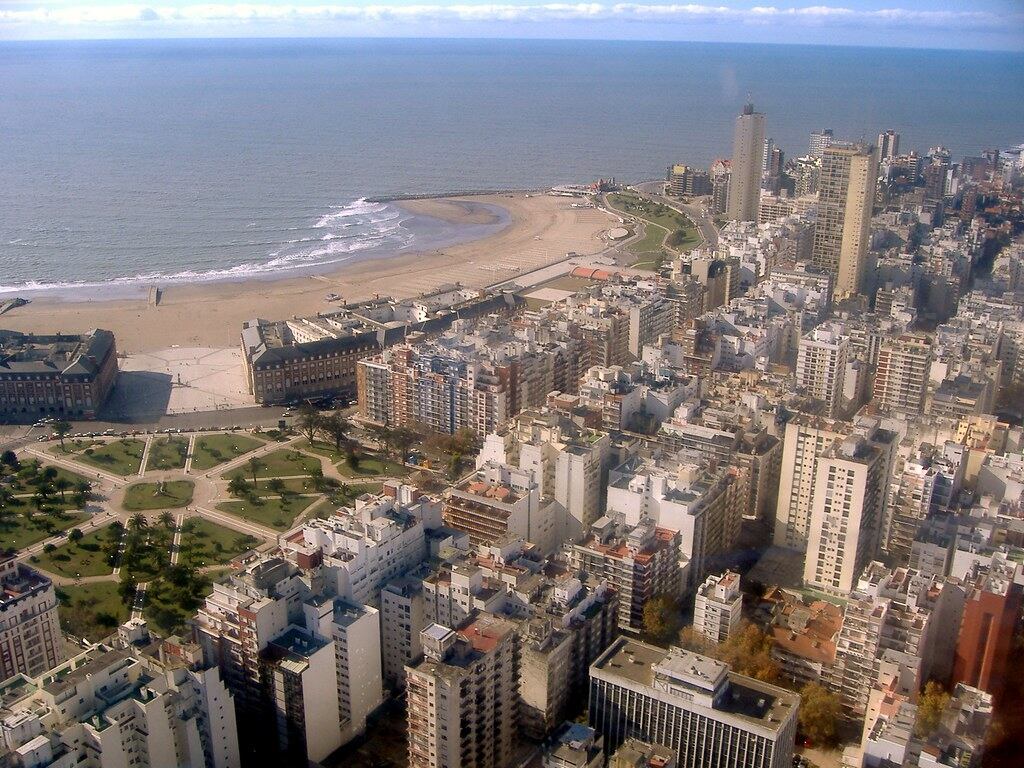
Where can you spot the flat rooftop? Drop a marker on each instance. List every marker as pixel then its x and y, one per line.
pixel 765 705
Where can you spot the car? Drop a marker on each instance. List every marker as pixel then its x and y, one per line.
pixel 42 439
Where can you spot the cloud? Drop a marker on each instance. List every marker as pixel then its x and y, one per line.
pixel 220 14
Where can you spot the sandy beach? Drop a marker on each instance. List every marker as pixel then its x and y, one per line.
pixel 541 230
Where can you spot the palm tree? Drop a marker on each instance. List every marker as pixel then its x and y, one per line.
pixel 138 522
pixel 62 484
pixel 254 466
pixel 61 429
pixel 237 486
pixel 167 520
pixel 276 484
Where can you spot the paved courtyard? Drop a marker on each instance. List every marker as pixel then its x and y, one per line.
pixel 179 380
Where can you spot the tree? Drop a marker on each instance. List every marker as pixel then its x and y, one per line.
pixel 309 421
pixel 930 707
pixel 337 428
pixel 137 522
pixel 254 467
pixel 276 484
pixel 167 520
pixel 820 714
pixel 692 640
pixel 661 619
pixel 61 429
pixel 403 438
pixel 237 486
pixel 10 459
pixel 76 534
pixel 749 652
pixel 62 484
pixel 48 548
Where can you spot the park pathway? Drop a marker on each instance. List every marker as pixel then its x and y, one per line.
pixel 120 551
pixel 140 600
pixel 176 541
pixel 145 455
pixel 188 455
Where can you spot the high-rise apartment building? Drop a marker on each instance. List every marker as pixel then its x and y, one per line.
pixel 822 356
pixel 692 704
pixel 463 697
pixel 846 196
pixel 747 160
pixel 718 607
pixel 30 637
pixel 111 708
pixel 984 649
pixel 500 501
pixel 720 173
pixel 901 376
pixel 569 461
pixel 847 505
pixel 639 563
pixel 303 665
pixel 888 145
pixel 806 439
pixel 819 142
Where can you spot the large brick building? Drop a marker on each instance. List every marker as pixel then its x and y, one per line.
pixel 305 358
pixel 62 375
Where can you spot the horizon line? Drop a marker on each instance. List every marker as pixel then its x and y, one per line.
pixel 490 38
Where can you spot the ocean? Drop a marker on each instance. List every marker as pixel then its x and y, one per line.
pixel 140 162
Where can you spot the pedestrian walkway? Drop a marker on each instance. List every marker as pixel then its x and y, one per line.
pixel 145 456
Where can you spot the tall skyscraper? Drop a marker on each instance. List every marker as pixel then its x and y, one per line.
pixel 888 145
pixel 846 197
pixel 747 161
pixel 819 141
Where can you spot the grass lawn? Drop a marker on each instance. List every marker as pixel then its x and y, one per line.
pixel 143 496
pixel 24 482
pixel 322 449
pixel 72 446
pixel 167 453
pixel 211 450
pixel 282 463
pixel 291 485
pixel 121 457
pixel 205 543
pixel 660 221
pixel 17 532
pixel 271 513
pixel 87 557
pixel 92 611
pixel 370 465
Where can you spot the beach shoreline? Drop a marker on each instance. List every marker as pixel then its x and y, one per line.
pixel 540 230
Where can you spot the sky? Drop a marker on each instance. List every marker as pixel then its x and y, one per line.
pixel 996 25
